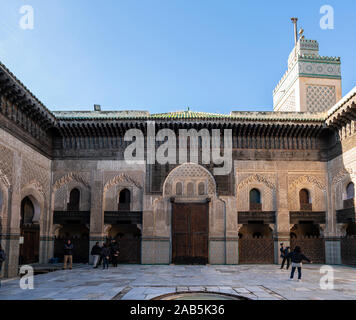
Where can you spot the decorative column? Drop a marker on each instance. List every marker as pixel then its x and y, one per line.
pixel 97 233
pixel 232 231
pixel 282 228
pixel 333 231
pixel 239 226
pixel 12 233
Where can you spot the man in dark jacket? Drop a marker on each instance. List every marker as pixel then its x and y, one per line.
pixel 68 255
pixel 286 258
pixel 105 253
pixel 297 258
pixel 281 249
pixel 96 253
pixel 114 250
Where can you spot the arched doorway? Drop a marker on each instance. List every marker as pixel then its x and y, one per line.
pixel 128 237
pixel 30 233
pixel 307 235
pixel 78 234
pixel 190 192
pixel 256 244
pixel 348 245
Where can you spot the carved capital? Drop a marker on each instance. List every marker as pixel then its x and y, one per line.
pixel 322 230
pixel 341 229
pixel 107 228
pixel 56 229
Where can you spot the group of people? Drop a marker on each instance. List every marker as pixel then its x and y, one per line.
pixel 105 254
pixel 296 257
pixel 108 252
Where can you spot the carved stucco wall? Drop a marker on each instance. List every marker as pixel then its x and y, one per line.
pixel 265 183
pixel 27 173
pixel 186 174
pixel 65 184
pixel 339 184
pixel 342 171
pixel 115 184
pixel 314 184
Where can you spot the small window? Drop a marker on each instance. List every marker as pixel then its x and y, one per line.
pixel 190 189
pixel 255 200
pixel 350 191
pixel 27 211
pixel 74 200
pixel 201 189
pixel 304 199
pixel 124 200
pixel 179 189
pixel 350 195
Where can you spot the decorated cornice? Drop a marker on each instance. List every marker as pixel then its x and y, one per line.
pixel 18 93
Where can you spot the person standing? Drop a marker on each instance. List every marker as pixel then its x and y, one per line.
pixel 68 255
pixel 114 250
pixel 96 253
pixel 105 253
pixel 2 257
pixel 286 258
pixel 281 249
pixel 297 258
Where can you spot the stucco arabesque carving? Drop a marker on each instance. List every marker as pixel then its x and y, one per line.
pixel 4 179
pixel 257 178
pixel 307 179
pixel 189 171
pixel 344 173
pixel 120 179
pixel 36 185
pixel 68 178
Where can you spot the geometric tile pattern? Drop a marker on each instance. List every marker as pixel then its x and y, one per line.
pixel 320 98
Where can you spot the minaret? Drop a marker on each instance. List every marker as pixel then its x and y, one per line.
pixel 312 82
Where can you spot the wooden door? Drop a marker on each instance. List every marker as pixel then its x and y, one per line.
pixel 29 250
pixel 190 231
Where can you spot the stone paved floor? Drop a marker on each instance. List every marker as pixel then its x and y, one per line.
pixel 138 282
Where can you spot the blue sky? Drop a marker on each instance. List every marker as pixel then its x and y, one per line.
pixel 165 55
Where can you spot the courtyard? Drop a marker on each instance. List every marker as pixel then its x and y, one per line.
pixel 144 282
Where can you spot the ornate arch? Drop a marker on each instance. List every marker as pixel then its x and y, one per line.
pixel 317 191
pixel 72 176
pixel 188 171
pixel 34 184
pixel 120 179
pixel 34 191
pixel 256 178
pixel 302 180
pixel 341 175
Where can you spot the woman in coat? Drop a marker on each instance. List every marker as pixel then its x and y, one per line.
pixel 297 258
